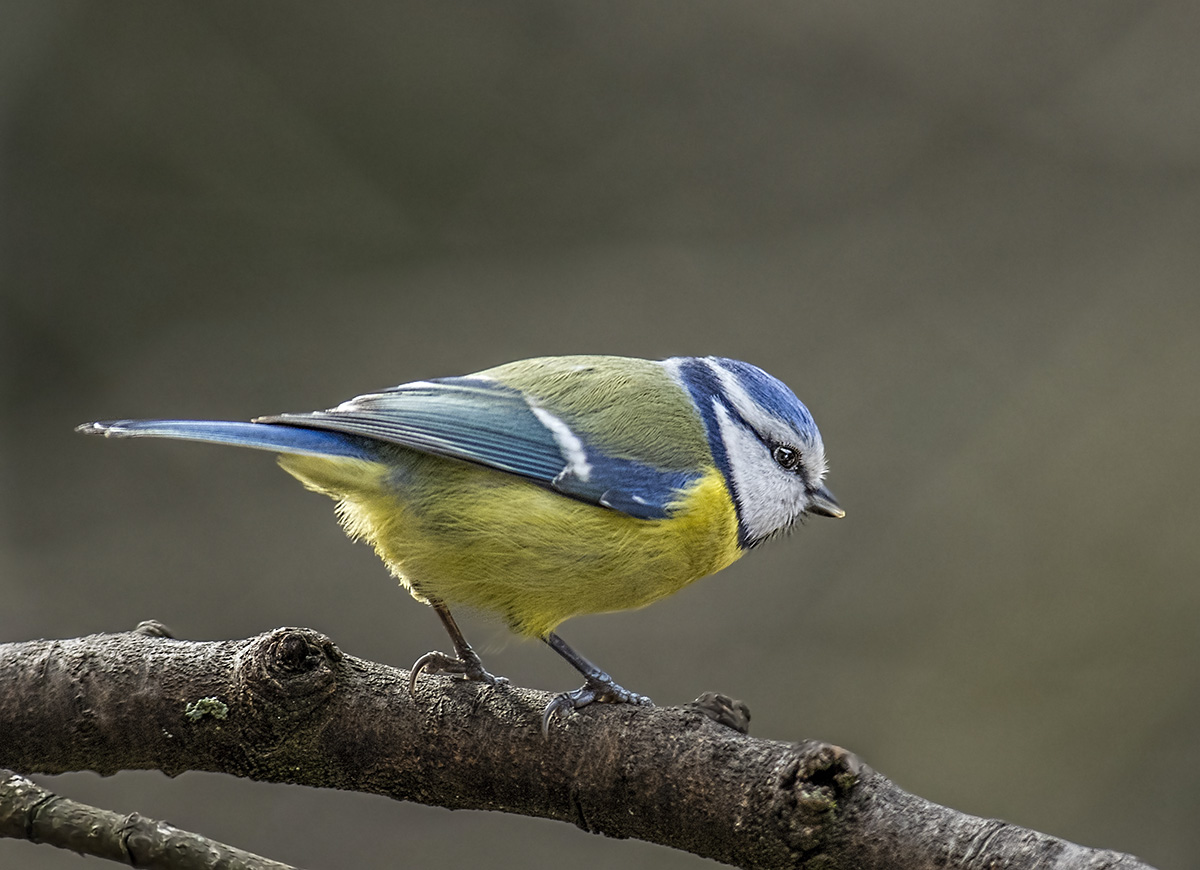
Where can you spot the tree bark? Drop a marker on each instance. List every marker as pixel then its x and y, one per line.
pixel 30 812
pixel 289 706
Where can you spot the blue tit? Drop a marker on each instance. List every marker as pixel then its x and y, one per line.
pixel 552 487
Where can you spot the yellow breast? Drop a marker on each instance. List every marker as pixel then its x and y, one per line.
pixel 467 534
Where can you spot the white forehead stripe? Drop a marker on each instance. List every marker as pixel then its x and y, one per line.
pixel 568 442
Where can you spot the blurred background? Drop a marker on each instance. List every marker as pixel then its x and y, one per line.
pixel 967 235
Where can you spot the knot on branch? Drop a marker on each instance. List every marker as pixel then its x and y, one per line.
pixel 283 678
pixel 813 784
pixel 724 710
pixel 152 628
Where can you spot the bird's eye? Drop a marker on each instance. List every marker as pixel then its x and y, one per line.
pixel 787 457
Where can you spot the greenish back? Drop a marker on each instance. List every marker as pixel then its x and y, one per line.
pixel 629 408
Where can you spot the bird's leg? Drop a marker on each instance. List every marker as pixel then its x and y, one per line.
pixel 465 664
pixel 598 686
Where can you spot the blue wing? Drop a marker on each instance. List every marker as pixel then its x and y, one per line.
pixel 280 439
pixel 483 421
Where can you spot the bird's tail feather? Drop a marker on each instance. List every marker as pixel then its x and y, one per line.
pixel 260 436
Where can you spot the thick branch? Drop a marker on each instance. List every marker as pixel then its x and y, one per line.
pixel 288 706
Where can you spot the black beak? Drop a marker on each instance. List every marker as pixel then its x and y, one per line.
pixel 822 503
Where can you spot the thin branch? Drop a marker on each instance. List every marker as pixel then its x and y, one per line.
pixel 288 706
pixel 30 812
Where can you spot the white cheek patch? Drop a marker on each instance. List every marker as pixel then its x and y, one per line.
pixel 769 499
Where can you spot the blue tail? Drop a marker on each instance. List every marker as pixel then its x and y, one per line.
pixel 261 436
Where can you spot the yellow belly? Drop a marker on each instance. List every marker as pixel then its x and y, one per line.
pixel 466 534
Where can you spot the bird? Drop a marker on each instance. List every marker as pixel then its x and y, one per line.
pixel 551 487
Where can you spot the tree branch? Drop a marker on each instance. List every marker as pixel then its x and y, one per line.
pixel 30 812
pixel 289 706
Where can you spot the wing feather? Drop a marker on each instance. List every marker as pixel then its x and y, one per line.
pixel 483 421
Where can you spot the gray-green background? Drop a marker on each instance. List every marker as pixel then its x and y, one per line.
pixel 966 234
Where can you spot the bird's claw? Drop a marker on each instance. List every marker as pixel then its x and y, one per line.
pixel 441 663
pixel 591 692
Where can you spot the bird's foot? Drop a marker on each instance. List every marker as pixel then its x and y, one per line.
pixel 440 663
pixel 594 691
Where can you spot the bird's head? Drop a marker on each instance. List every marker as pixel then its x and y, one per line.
pixel 763 440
